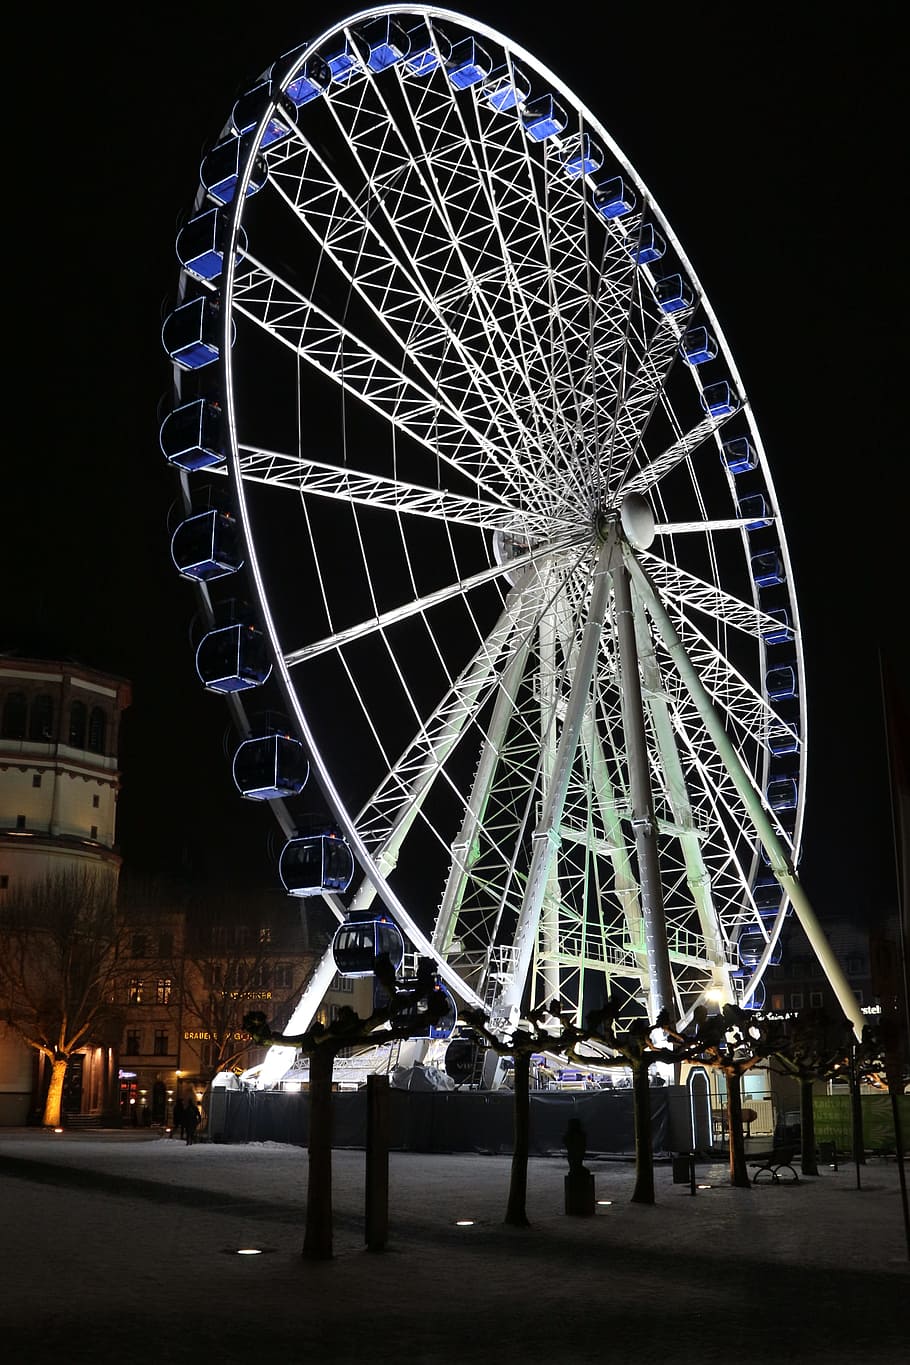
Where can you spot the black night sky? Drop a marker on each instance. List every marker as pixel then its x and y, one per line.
pixel 771 137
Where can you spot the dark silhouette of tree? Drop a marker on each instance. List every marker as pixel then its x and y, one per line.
pixel 811 1047
pixel 732 1042
pixel 407 1012
pixel 59 958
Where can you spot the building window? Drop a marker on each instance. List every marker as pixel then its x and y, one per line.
pixel 161 1047
pixel 345 984
pixel 165 943
pixel 4 882
pixel 20 822
pixel 777 1002
pixel 163 991
pixel 136 990
pixel 815 999
pixel 859 997
pixel 242 935
pixel 41 718
pixel 283 976
pixel 93 832
pixel 210 1056
pixel 15 715
pixel 132 1048
pixel 856 965
pixel 139 946
pixel 97 728
pixel 96 801
pixel 796 1000
pixel 36 779
pixel 265 934
pixel 77 725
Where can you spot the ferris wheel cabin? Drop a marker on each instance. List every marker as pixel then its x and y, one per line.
pixel 782 632
pixel 316 863
pixel 207 546
pixel 191 335
pixel 505 90
pixel 382 43
pixel 739 455
pixel 613 199
pixel 269 767
pixel 698 346
pixel 437 1003
pixel 650 246
pixel 232 659
pixel 362 940
pixel 192 436
pixel 250 108
pixel 312 80
pixel 220 171
pixel 200 245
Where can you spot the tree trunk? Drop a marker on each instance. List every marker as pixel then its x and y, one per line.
pixel 643 1192
pixel 807 1127
pixel 516 1212
pixel 739 1173
pixel 54 1102
pixel 317 1242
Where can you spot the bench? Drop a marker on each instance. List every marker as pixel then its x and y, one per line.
pixel 777 1160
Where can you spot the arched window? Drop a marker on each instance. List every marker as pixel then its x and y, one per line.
pixel 77 725
pixel 97 727
pixel 41 718
pixel 15 714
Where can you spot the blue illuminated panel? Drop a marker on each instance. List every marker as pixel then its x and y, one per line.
pixel 649 247
pixel 781 633
pixel 422 57
pixel 220 171
pixel 584 157
pixel 783 742
pixel 191 335
pixel 754 511
pixel 505 91
pixel 383 43
pixel 249 110
pixel 698 346
pixel 780 682
pixel 311 81
pixel 199 245
pixel 343 64
pixel 674 294
pixel 207 546
pixel 739 455
pixel 767 569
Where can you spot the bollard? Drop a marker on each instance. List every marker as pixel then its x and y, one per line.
pixel 684 1170
pixel 579 1183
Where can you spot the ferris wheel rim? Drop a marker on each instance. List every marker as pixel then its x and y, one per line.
pixel 338 807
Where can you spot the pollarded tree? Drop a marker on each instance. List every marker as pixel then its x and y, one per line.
pixel 59 960
pixel 811 1047
pixel 732 1042
pixel 406 1013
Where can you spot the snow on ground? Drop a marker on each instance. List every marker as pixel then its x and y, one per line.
pixel 124 1247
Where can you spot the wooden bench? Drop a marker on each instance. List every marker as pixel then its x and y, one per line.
pixel 777 1160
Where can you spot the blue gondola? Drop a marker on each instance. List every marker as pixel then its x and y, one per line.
pixel 720 400
pixel 754 512
pixel 232 659
pixel 311 81
pixel 382 43
pixel 543 118
pixel 783 741
pixel 698 346
pixel 649 245
pixel 767 893
pixel 506 89
pixel 422 56
pixel 767 569
pixel 739 455
pixel 782 793
pixel 221 169
pixel 674 294
pixel 756 1000
pixel 468 64
pixel 200 245
pixel 751 946
pixel 362 939
pixel 207 546
pixel 780 682
pixel 582 155
pixel 781 633
pixel 613 198
pixel 438 996
pixel 192 436
pixel 191 335
pixel 316 863
pixel 343 62
pixel 270 767
pixel 250 108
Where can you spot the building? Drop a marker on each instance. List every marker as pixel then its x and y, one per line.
pixel 59 782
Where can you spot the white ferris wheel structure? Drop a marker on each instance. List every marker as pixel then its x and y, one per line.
pixel 514 558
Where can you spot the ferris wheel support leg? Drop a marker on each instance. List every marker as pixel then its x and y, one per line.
pixel 644 823
pixel 780 862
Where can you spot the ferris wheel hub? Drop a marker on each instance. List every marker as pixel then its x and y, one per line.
pixel 637 521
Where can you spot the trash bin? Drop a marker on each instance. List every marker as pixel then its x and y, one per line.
pixel 683 1173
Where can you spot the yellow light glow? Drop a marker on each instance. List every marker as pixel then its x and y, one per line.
pixel 715 995
pixel 58 1130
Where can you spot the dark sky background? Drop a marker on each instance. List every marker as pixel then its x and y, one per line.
pixel 771 137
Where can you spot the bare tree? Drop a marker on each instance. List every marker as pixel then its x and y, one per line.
pixel 732 1042
pixel 812 1047
pixel 59 959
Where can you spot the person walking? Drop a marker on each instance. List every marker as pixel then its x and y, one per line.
pixel 191 1117
pixel 179 1111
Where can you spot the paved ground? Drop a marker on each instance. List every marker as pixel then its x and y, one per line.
pixel 123 1246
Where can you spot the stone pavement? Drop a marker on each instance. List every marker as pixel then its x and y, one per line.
pixel 124 1246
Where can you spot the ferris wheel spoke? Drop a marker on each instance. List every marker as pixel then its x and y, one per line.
pixel 306 476
pixel 298 322
pixel 687 590
pixel 644 473
pixel 420 605
pixel 386 278
pixel 680 528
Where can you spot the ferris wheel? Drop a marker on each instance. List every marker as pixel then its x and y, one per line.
pixel 516 564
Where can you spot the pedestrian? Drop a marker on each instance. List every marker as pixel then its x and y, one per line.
pixel 179 1111
pixel 191 1117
